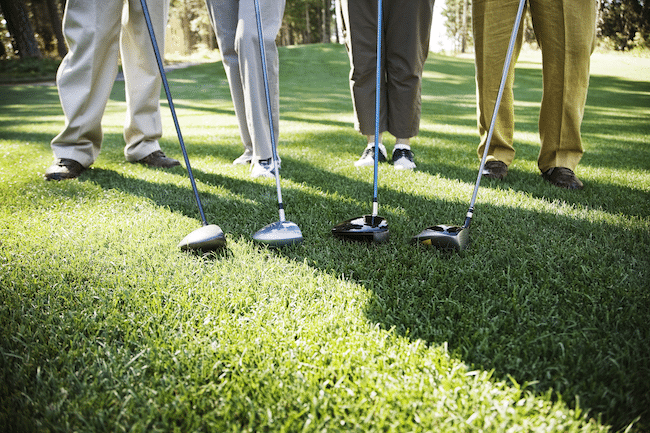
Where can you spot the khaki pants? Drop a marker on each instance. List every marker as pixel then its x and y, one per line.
pixel 235 26
pixel 565 31
pixel 95 30
pixel 405 46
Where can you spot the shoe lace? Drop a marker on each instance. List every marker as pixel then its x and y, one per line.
pixel 402 153
pixel 369 152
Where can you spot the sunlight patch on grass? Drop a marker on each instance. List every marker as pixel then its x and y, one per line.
pixel 538 326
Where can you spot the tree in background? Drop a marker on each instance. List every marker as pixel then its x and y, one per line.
pixel 194 22
pixel 459 23
pixel 18 24
pixel 32 28
pixel 46 18
pixel 625 22
pixel 306 22
pixel 33 25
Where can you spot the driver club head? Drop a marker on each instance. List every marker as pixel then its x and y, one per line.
pixel 367 228
pixel 279 234
pixel 451 238
pixel 207 238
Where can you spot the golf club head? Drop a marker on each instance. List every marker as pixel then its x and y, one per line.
pixel 367 228
pixel 206 238
pixel 279 234
pixel 451 238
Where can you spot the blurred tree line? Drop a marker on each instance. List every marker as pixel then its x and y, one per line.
pixel 622 24
pixel 32 28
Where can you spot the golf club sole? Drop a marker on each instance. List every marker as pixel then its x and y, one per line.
pixel 455 237
pixel 210 236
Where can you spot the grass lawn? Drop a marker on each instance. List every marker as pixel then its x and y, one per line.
pixel 542 325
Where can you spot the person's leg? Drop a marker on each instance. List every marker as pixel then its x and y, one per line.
pixel 492 25
pixel 250 63
pixel 565 30
pixel 406 39
pixel 142 78
pixel 360 17
pixel 407 33
pixel 86 76
pixel 224 16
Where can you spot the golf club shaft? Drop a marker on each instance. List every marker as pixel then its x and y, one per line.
pixel 497 104
pixel 375 200
pixel 260 35
pixel 147 18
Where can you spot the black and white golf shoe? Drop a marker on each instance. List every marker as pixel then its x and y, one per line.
pixel 403 159
pixel 368 156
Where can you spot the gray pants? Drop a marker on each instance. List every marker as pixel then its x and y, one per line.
pixel 97 32
pixel 235 26
pixel 405 44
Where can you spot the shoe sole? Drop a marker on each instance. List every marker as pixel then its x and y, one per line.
pixel 266 175
pixel 367 162
pixel 406 165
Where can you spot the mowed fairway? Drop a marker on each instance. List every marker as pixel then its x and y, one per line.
pixel 542 325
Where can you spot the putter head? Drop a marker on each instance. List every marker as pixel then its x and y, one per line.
pixel 279 234
pixel 450 238
pixel 367 228
pixel 206 238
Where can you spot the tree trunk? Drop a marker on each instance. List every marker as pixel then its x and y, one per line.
pixel 212 40
pixel 458 36
pixel 463 29
pixel 22 35
pixel 307 33
pixel 327 36
pixel 187 33
pixel 41 24
pixel 340 37
pixel 55 22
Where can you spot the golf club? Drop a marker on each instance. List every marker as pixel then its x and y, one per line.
pixel 455 238
pixel 369 228
pixel 209 236
pixel 281 233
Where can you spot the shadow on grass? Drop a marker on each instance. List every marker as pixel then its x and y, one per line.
pixel 553 301
pixel 545 302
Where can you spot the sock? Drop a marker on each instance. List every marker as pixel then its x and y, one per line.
pixel 371 140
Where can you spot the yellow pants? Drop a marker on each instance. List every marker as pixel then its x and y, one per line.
pixel 98 32
pixel 565 31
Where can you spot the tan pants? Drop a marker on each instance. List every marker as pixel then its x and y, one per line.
pixel 235 26
pixel 565 31
pixel 95 30
pixel 405 46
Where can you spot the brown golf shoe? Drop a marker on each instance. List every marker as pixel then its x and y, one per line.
pixel 64 168
pixel 562 177
pixel 495 170
pixel 158 159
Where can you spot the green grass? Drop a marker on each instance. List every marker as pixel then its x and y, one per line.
pixel 542 325
pixel 28 70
